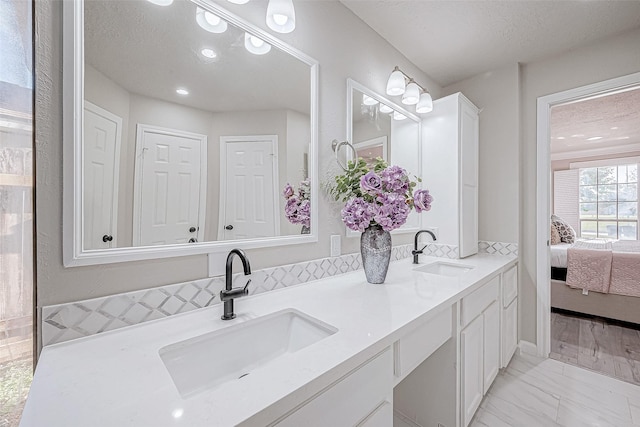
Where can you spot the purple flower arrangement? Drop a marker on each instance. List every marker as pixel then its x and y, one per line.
pixel 382 195
pixel 298 206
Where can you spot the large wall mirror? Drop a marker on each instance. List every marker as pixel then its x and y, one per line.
pixel 183 125
pixel 377 127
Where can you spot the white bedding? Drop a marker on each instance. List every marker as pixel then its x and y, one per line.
pixel 559 255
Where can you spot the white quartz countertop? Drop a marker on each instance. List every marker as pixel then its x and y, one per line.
pixel 117 378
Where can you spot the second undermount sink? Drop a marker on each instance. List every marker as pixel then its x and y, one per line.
pixel 444 269
pixel 209 360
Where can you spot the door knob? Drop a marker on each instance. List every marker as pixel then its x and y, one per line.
pixel 192 230
pixel 193 240
pixel 229 227
pixel 107 238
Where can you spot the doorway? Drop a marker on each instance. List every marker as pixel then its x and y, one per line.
pixel 170 186
pixel 543 196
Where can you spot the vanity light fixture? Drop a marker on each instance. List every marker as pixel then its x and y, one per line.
pixel 182 91
pixel 398 116
pixel 400 83
pixel 368 100
pixel 210 22
pixel 256 45
pixel 281 16
pixel 161 2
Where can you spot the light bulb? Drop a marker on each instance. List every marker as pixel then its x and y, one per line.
pixel 281 16
pixel 208 53
pixel 210 21
pixel 425 105
pixel 256 42
pixel 411 94
pixel 395 84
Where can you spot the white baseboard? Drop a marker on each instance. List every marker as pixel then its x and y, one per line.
pixel 528 348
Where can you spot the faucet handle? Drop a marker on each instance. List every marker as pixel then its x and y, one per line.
pixel 246 286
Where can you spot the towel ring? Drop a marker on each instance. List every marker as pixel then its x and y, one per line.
pixel 335 145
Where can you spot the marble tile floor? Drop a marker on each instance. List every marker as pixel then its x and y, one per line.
pixel 533 392
pixel 608 347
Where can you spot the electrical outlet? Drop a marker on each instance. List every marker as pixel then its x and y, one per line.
pixel 335 245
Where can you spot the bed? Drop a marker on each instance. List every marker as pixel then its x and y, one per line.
pixel 611 303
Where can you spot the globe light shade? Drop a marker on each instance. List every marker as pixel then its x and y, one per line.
pixel 256 45
pixel 368 100
pixel 411 95
pixel 210 21
pixel 425 105
pixel 281 16
pixel 395 84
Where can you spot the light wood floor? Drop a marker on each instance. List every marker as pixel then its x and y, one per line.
pixel 598 345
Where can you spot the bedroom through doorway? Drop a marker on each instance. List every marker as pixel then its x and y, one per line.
pixel 594 294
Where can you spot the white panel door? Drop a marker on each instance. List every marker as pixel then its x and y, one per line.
pixel 249 187
pixel 101 152
pixel 491 344
pixel 170 187
pixel 471 342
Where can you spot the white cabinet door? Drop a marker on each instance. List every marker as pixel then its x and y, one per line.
pixel 509 332
pixel 491 344
pixel 468 178
pixel 472 351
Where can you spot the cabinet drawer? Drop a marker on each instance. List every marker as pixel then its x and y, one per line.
pixel 416 346
pixel 350 400
pixel 509 285
pixel 472 305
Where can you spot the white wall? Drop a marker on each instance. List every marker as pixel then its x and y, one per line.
pixel 345 48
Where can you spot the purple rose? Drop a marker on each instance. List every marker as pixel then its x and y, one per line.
pixel 371 183
pixel 288 191
pixel 422 200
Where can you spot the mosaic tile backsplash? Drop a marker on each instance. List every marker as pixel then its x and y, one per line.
pixel 65 322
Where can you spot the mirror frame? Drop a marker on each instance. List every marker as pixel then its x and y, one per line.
pixel 354 85
pixel 73 119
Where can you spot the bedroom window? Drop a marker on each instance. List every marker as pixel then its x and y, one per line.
pixel 608 202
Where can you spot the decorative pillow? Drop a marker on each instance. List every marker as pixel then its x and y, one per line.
pixel 567 233
pixel 555 235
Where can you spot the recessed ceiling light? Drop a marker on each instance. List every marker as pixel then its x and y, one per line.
pixel 577 135
pixel 208 53
pixel 560 137
pixel 622 137
pixel 594 138
pixel 614 128
pixel 182 91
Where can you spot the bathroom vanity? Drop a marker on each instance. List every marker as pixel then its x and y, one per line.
pixel 338 351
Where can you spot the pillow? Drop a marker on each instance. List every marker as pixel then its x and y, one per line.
pixel 555 235
pixel 567 233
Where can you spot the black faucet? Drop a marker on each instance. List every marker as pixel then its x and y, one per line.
pixel 415 252
pixel 230 293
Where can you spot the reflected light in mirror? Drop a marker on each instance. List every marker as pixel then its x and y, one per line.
pixel 368 100
pixel 281 16
pixel 238 1
pixel 255 44
pixel 161 2
pixel 210 22
pixel 385 109
pixel 398 116
pixel 182 91
pixel 208 53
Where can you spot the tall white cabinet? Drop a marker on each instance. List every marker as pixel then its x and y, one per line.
pixel 450 171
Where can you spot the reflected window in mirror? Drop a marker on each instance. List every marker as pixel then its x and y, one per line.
pixel 178 140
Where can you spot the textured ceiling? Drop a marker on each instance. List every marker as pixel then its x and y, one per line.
pixel 611 121
pixel 454 40
pixel 151 50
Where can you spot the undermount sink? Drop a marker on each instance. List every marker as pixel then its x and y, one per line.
pixel 228 354
pixel 444 269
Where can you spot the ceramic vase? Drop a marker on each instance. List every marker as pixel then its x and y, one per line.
pixel 375 247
